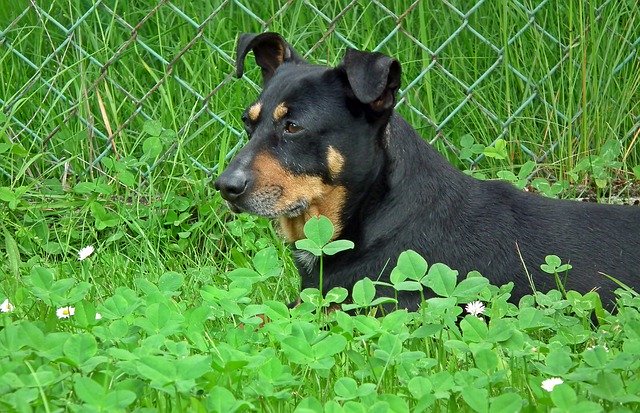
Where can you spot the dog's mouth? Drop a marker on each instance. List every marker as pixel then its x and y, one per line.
pixel 263 208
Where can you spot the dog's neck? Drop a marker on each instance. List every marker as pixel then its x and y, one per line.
pixel 358 208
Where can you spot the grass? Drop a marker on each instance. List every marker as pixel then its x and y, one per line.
pixel 174 275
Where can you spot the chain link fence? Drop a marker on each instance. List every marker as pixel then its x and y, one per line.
pixel 84 82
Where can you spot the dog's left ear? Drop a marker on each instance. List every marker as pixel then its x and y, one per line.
pixel 374 78
pixel 270 51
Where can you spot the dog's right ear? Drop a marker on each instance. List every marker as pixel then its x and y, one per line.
pixel 374 78
pixel 270 51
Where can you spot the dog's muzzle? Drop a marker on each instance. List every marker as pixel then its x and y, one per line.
pixel 232 185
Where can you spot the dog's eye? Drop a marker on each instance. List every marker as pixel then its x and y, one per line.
pixel 291 127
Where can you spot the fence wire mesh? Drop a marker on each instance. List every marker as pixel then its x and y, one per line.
pixel 132 87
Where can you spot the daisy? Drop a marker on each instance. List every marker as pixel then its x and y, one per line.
pixel 6 306
pixel 604 346
pixel 85 252
pixel 65 312
pixel 549 384
pixel 475 308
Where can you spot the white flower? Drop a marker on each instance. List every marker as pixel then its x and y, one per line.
pixel 604 346
pixel 475 308
pixel 549 384
pixel 85 252
pixel 65 312
pixel 98 316
pixel 6 306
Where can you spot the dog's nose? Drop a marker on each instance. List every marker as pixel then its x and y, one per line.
pixel 231 185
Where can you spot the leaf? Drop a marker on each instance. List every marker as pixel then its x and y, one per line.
pixel 7 195
pixel 564 396
pixel 636 171
pixel 412 265
pixel 486 360
pixel 468 288
pixel 309 405
pixel 152 127
pixel 192 367
pixel 13 254
pixel 41 277
pixel 221 400
pixel 506 403
pixel 170 281
pixel 41 280
pixel 126 178
pixel 441 279
pixel 152 147
pixel 319 229
pixel 346 388
pixel 497 151
pixel 408 286
pixel 391 403
pixel 309 245
pixel 552 264
pixel 526 169
pixel 474 329
pixel 243 274
pixel 596 357
pixel 363 292
pixel 419 387
pixel 609 386
pixel 311 295
pixel 390 344
pixel 162 319
pixel 500 329
pixel 80 347
pixel 118 399
pixel 466 140
pixel 297 350
pixel 558 362
pixel 336 295
pixel 337 246
pixel 476 398
pixel 88 391
pixel 159 370
pixel 267 263
pixel 531 317
pixel 77 292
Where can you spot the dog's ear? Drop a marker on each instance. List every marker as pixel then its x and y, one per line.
pixel 270 51
pixel 374 78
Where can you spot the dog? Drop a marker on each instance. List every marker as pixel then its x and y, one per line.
pixel 327 141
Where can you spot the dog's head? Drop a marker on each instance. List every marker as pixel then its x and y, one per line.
pixel 315 133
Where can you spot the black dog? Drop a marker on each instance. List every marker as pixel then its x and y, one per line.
pixel 327 141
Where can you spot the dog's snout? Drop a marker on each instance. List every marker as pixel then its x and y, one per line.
pixel 232 185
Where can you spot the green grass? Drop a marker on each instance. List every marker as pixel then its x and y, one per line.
pixel 175 275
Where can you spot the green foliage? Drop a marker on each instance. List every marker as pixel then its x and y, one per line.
pixel 319 232
pixel 497 151
pixel 206 344
pixel 520 180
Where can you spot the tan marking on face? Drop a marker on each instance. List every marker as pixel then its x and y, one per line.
pixel 280 111
pixel 323 199
pixel 335 162
pixel 254 111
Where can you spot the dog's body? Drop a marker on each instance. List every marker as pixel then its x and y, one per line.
pixel 327 141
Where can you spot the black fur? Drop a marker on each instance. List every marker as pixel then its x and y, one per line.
pixel 402 194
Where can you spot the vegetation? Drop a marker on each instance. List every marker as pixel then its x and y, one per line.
pixel 111 140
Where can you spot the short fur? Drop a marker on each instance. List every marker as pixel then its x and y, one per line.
pixel 341 150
